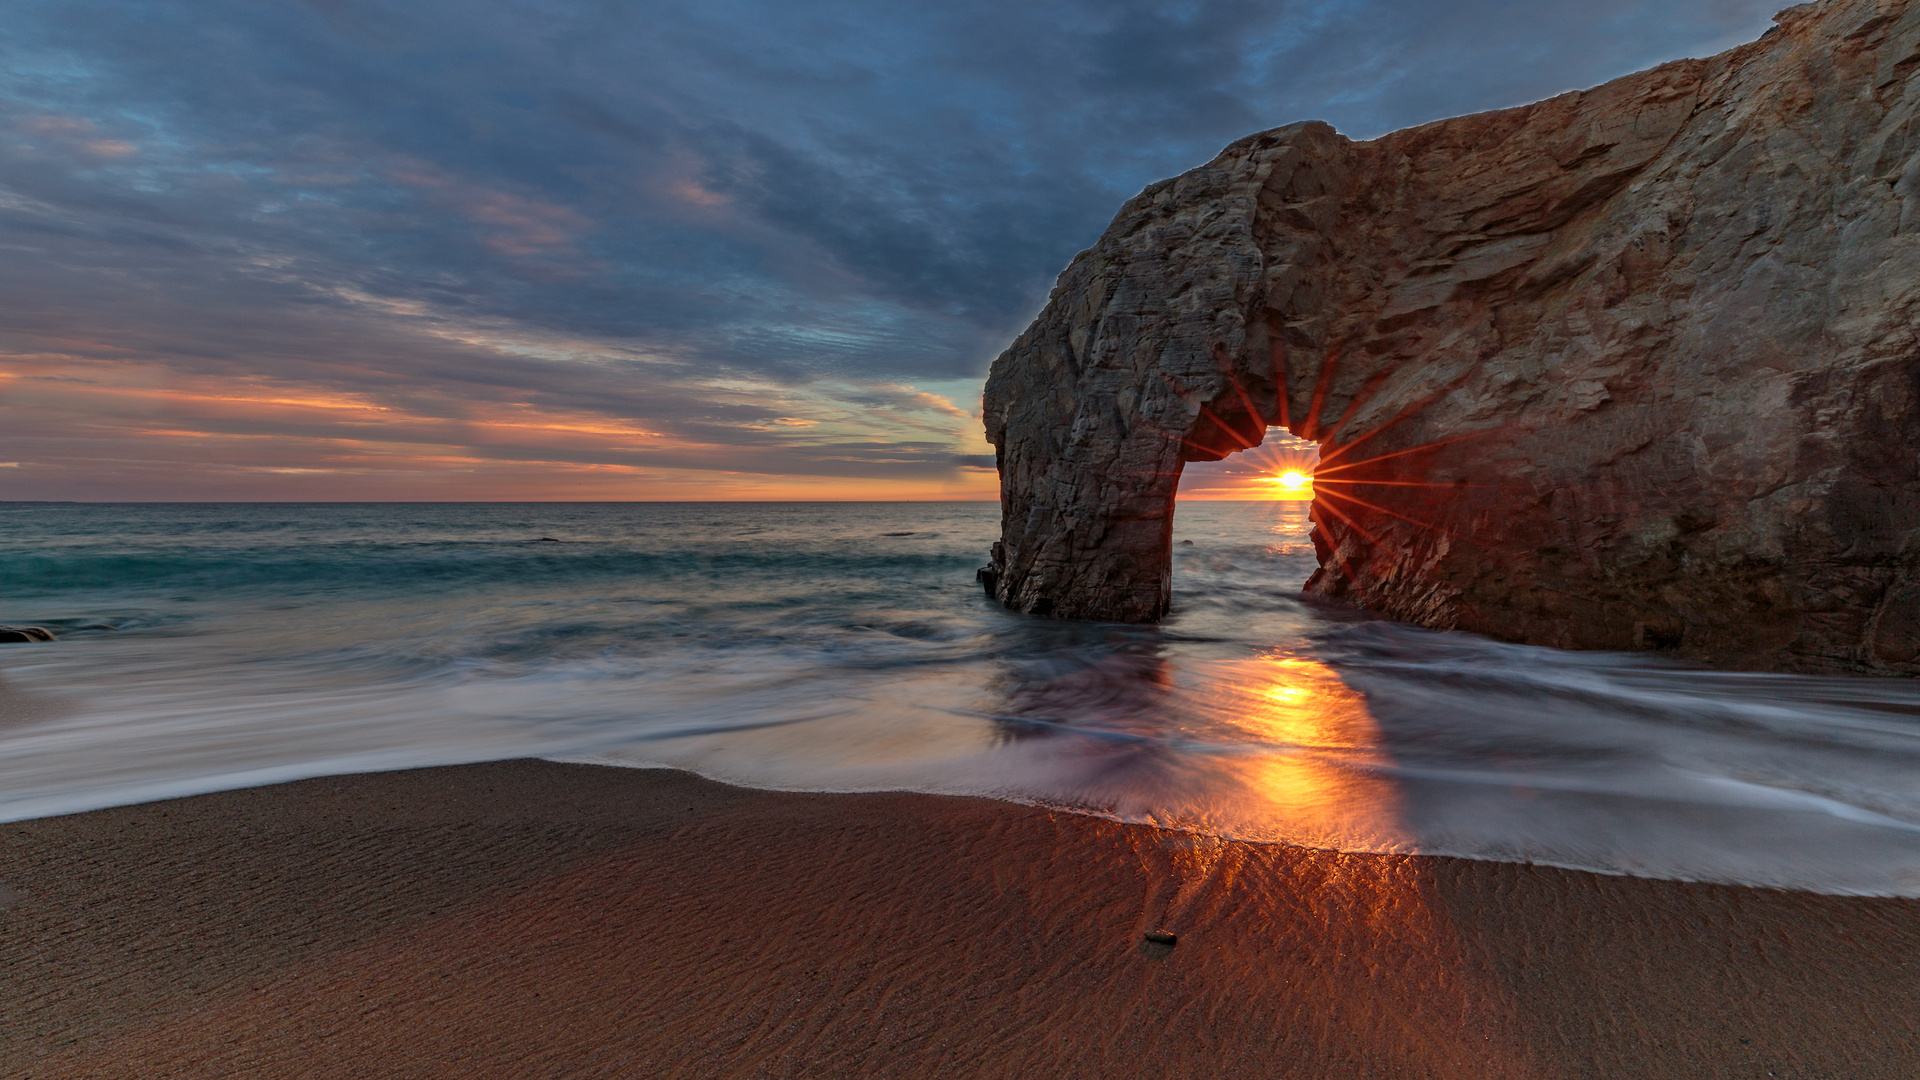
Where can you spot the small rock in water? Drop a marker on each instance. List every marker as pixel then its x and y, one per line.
pixel 549 540
pixel 1186 543
pixel 897 534
pixel 1162 937
pixel 25 633
pixel 987 576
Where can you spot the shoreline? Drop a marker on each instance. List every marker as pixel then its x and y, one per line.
pixel 532 918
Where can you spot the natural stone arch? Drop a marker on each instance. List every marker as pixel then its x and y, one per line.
pixel 1632 367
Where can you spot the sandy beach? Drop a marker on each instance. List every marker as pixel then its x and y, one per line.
pixel 536 919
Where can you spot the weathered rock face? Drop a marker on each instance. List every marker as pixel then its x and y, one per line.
pixel 1637 367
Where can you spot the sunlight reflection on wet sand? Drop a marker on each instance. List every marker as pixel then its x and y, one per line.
pixel 1321 746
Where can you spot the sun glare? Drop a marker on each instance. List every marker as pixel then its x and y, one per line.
pixel 1279 469
pixel 1291 484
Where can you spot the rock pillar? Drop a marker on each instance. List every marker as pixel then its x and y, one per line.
pixel 1634 367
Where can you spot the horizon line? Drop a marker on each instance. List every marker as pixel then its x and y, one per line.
pixel 517 502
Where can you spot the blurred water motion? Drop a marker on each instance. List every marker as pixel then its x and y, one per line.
pixel 1326 756
pixel 835 647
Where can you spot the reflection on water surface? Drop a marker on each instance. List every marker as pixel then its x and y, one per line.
pixel 1322 757
pixel 834 647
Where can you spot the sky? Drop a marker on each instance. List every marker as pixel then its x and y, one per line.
pixel 739 249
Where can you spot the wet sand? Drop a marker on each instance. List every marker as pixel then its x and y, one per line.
pixel 529 919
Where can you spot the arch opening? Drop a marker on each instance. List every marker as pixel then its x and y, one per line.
pixel 1279 469
pixel 1255 503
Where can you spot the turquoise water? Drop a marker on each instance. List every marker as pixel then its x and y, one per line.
pixel 841 647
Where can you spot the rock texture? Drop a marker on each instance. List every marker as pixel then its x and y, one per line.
pixel 1634 367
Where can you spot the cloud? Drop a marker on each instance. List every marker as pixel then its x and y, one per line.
pixel 762 228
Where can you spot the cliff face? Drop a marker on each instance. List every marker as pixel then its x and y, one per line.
pixel 1636 367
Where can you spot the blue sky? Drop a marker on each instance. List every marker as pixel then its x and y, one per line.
pixel 341 249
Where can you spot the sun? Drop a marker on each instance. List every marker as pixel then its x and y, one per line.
pixel 1280 468
pixel 1291 484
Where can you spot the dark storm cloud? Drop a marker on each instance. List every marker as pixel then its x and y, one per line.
pixel 438 202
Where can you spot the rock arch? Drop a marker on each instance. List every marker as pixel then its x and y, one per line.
pixel 1635 367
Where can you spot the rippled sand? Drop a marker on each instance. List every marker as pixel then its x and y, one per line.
pixel 534 919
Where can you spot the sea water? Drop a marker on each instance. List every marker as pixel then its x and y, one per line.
pixel 847 647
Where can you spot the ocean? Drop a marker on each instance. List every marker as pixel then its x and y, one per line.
pixel 847 647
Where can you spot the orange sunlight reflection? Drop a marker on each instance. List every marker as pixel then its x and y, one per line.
pixel 1317 779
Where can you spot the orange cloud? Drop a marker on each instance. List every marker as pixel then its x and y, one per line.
pixel 199 436
pixel 688 191
pixel 76 134
pixel 515 225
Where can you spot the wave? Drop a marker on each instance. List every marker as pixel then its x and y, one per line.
pixel 804 648
pixel 420 567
